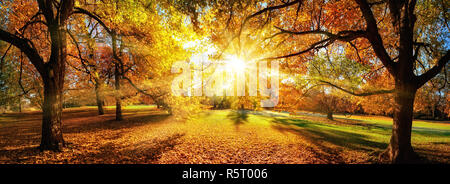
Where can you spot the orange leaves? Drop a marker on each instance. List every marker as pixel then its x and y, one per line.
pixel 149 136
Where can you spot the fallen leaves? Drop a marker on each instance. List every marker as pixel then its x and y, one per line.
pixel 150 136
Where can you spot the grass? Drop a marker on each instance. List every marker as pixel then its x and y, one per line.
pixel 356 134
pixel 148 135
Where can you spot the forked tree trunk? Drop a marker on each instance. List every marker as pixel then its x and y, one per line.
pixel 400 149
pixel 99 98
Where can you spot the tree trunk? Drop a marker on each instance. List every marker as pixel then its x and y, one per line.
pixel 99 98
pixel 118 109
pixel 400 149
pixel 53 71
pixel 20 104
pixel 330 115
pixel 433 111
pixel 53 78
pixel 118 96
pixel 52 138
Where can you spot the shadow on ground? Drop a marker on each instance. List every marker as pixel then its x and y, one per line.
pixel 141 152
pixel 20 139
pixel 238 117
pixel 328 142
pixel 108 122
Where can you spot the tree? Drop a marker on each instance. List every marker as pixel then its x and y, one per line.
pixel 10 92
pixel 123 21
pixel 399 59
pixel 52 72
pixel 93 59
pixel 430 101
pixel 332 71
pixel 377 31
pixel 143 40
pixel 49 22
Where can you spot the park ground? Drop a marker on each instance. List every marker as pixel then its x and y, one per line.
pixel 148 135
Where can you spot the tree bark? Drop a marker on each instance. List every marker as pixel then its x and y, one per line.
pixel 99 98
pixel 20 104
pixel 118 96
pixel 52 138
pixel 400 149
pixel 433 111
pixel 52 72
pixel 330 115
pixel 53 78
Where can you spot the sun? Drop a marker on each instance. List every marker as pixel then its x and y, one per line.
pixel 235 64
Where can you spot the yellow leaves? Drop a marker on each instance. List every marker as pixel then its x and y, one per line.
pixel 77 4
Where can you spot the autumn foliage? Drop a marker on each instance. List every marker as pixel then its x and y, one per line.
pixel 347 57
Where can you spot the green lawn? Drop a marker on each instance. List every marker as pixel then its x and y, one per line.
pixel 422 131
pixel 371 128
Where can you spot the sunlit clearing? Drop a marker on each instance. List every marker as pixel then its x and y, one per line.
pixel 235 64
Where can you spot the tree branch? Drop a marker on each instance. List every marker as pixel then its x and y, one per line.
pixel 374 36
pixel 25 92
pixel 154 97
pixel 268 9
pixel 317 45
pixel 79 10
pixel 3 57
pixel 82 60
pixel 357 94
pixel 25 47
pixel 346 36
pixel 425 77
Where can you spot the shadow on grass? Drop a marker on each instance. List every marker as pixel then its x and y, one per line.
pixel 318 134
pixel 238 117
pixel 430 132
pixel 424 131
pixel 269 114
